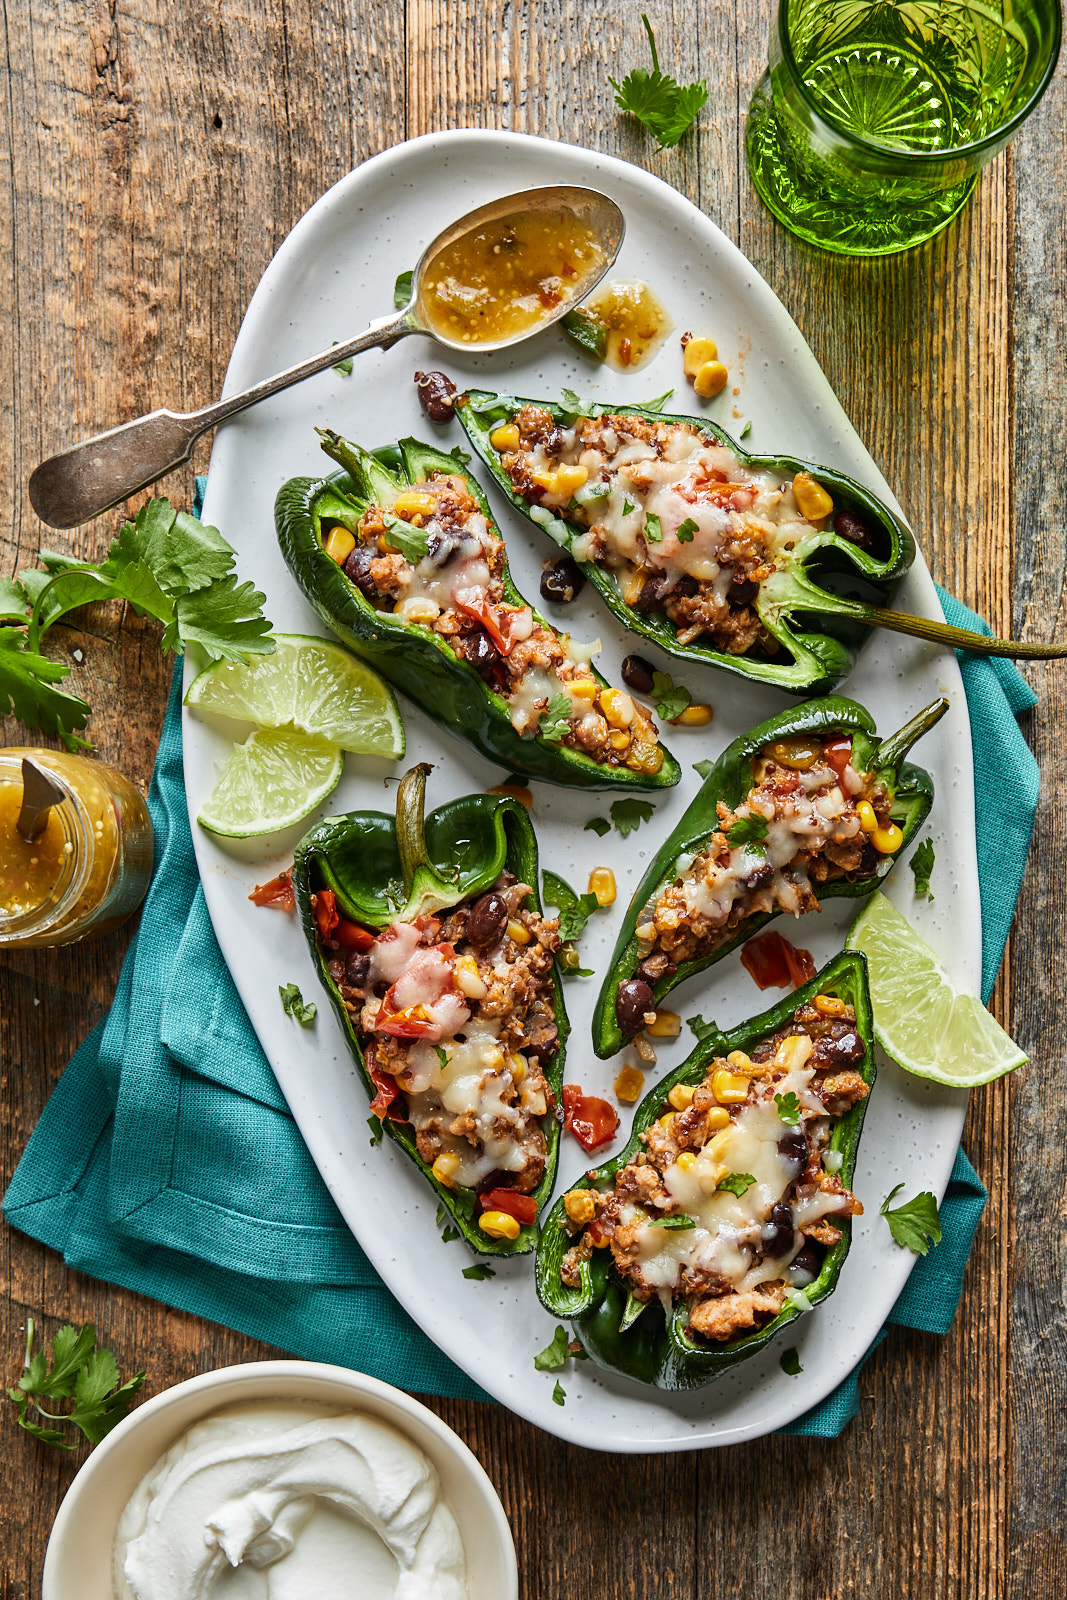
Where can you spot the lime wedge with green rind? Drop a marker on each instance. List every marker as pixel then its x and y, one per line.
pixel 312 684
pixel 271 781
pixel 921 1020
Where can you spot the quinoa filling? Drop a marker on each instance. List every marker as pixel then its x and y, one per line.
pixel 732 1202
pixel 456 590
pixel 455 1014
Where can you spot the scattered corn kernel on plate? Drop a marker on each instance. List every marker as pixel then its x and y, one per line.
pixel 333 273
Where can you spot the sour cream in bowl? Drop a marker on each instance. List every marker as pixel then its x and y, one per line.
pixel 281 1481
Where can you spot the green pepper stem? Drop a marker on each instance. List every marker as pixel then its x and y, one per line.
pixel 891 751
pixel 341 451
pixel 944 633
pixel 410 822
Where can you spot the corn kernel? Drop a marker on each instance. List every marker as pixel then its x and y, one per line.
pixel 339 544
pixel 619 739
pixel 647 758
pixel 506 437
pixel 499 1224
pixel 740 1062
pixel 602 884
pixel 420 610
pixel 710 380
pixel 868 820
pixel 628 1085
pixel 717 1118
pixel 517 1068
pixel 887 841
pixel 414 503
pixel 585 690
pixel 617 707
pixel 698 352
pixel 686 1161
pixel 728 1088
pixel 668 1025
pixel 518 932
pixel 580 1206
pixel 681 1096
pixel 667 1121
pixel 812 500
pixel 631 584
pixel 696 716
pixel 717 1146
pixel 569 478
pixel 794 1052
pixel 515 791
pixel 829 1005
pixel 445 1168
pixel 467 979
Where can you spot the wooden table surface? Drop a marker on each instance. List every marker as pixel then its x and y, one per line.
pixel 155 153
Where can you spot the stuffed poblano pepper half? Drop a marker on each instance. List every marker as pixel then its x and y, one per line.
pixel 803 807
pixel 712 554
pixel 405 564
pixel 729 1212
pixel 429 939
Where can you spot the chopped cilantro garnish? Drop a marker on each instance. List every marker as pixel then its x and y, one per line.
pixel 628 815
pixel 788 1108
pixel 915 1225
pixel 293 1004
pixel 703 769
pixel 669 698
pixel 556 718
pixel 678 1221
pixel 553 1358
pixel 736 1183
pixel 747 830
pixel 574 909
pixel 922 866
pixel 686 531
pixel 478 1272
pixel 653 528
pixel 598 825
pixel 789 1362
pixel 559 1394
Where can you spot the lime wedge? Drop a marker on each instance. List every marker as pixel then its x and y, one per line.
pixel 271 781
pixel 922 1022
pixel 313 684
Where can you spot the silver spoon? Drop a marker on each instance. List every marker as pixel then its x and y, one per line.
pixel 101 472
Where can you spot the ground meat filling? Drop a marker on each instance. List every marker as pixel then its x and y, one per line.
pixel 809 819
pixel 456 590
pixel 743 1162
pixel 688 530
pixel 455 1014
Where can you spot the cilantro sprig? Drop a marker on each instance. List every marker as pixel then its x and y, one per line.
pixel 788 1108
pixel 574 909
pixel 166 565
pixel 922 866
pixel 666 108
pixel 628 815
pixel 78 1371
pixel 915 1225
pixel 749 829
pixel 556 718
pixel 669 698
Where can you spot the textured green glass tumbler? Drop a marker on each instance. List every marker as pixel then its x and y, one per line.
pixel 868 130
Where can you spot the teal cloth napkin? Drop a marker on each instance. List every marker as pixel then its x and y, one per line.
pixel 166 1160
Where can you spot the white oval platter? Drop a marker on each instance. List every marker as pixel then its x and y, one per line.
pixel 332 275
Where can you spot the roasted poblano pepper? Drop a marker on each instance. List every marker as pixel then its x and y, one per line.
pixel 832 735
pixel 800 632
pixel 357 876
pixel 632 1335
pixel 463 689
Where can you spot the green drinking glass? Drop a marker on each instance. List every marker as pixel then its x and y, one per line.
pixel 868 130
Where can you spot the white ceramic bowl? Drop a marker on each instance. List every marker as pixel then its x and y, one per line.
pixel 78 1562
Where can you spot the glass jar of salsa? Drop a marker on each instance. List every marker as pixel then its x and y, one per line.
pixel 90 867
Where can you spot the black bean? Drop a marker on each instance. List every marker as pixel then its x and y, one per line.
pixel 803 1267
pixel 487 918
pixel 840 1047
pixel 654 591
pixel 778 1232
pixel 440 547
pixel 437 395
pixel 543 1045
pixel 633 1000
pixel 561 580
pixel 742 592
pixel 357 568
pixel 637 673
pixel 852 529
pixel 793 1146
pixel 554 442
pixel 357 969
pixel 482 653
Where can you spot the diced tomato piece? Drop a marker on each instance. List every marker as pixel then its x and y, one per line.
pixel 409 1023
pixel 600 1232
pixel 326 913
pixel 773 963
pixel 837 753
pixel 387 1102
pixel 593 1122
pixel 498 621
pixel 523 1207
pixel 350 936
pixel 278 893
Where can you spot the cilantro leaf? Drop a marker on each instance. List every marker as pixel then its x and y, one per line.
pixel 915 1225
pixel 444 1222
pixel 669 698
pixel 179 550
pixel 789 1362
pixel 628 815
pixel 678 1221
pixel 375 1130
pixel 479 1271
pixel 922 865
pixel 686 531
pixel 402 289
pixel 627 507
pixel 666 108
pixel 703 769
pixel 293 1004
pixel 553 1358
pixel 658 402
pixel 748 829
pixel 571 402
pixel 556 718
pixel 14 601
pixel 736 1183
pixel 27 689
pixel 653 528
pixel 745 431
pixel 598 825
pixel 226 618
pixel 788 1108
pixel 78 1368
pixel 344 368
pixel 703 1030
pixel 412 542
pixel 559 1394
pixel 574 909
